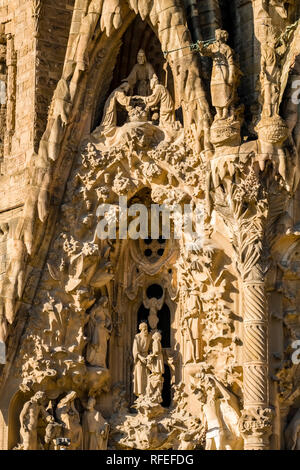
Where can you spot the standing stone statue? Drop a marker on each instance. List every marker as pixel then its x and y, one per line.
pixel 155 362
pixel 140 76
pixel 95 428
pixel 68 415
pixel 99 332
pixel 141 345
pixel 156 359
pixel 224 73
pixel 29 417
pixel 270 77
pixel 191 326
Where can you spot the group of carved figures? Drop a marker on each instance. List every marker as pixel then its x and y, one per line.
pixel 225 78
pixel 150 95
pixel 140 95
pixel 64 424
pixel 148 364
pixel 90 432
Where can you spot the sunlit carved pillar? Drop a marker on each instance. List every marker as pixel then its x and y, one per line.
pixel 256 423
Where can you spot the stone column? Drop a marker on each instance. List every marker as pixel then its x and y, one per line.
pixel 256 421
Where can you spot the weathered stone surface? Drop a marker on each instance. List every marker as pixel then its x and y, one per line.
pixel 179 341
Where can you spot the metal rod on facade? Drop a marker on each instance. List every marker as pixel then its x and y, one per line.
pixel 193 47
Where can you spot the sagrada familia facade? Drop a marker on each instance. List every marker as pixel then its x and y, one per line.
pixel 154 342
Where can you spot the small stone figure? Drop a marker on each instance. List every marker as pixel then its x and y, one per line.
pixel 154 305
pixel 68 415
pixel 99 332
pixel 29 418
pixel 191 326
pixel 95 428
pixel 155 363
pixel 141 345
pixel 140 76
pixel 224 74
pixel 270 76
pixel 160 95
pixel 110 117
pixel 53 432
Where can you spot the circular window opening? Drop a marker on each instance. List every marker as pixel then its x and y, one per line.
pixel 155 290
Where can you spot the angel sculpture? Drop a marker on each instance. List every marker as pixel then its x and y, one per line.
pixel 154 305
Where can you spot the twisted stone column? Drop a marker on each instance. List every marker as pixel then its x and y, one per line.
pixel 256 421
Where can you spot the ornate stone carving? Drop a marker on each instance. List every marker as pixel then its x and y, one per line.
pixel 36 11
pixel 225 299
pixel 95 428
pixel 154 305
pixel 256 427
pixel 155 363
pixel 99 331
pixel 68 416
pixel 109 121
pixel 140 76
pixel 220 410
pixel 29 419
pixel 225 74
pixel 140 352
pixel 191 326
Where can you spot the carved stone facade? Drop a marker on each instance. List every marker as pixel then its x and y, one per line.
pixel 185 341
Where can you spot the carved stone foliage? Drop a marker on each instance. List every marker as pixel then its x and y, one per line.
pixel 154 428
pixel 256 426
